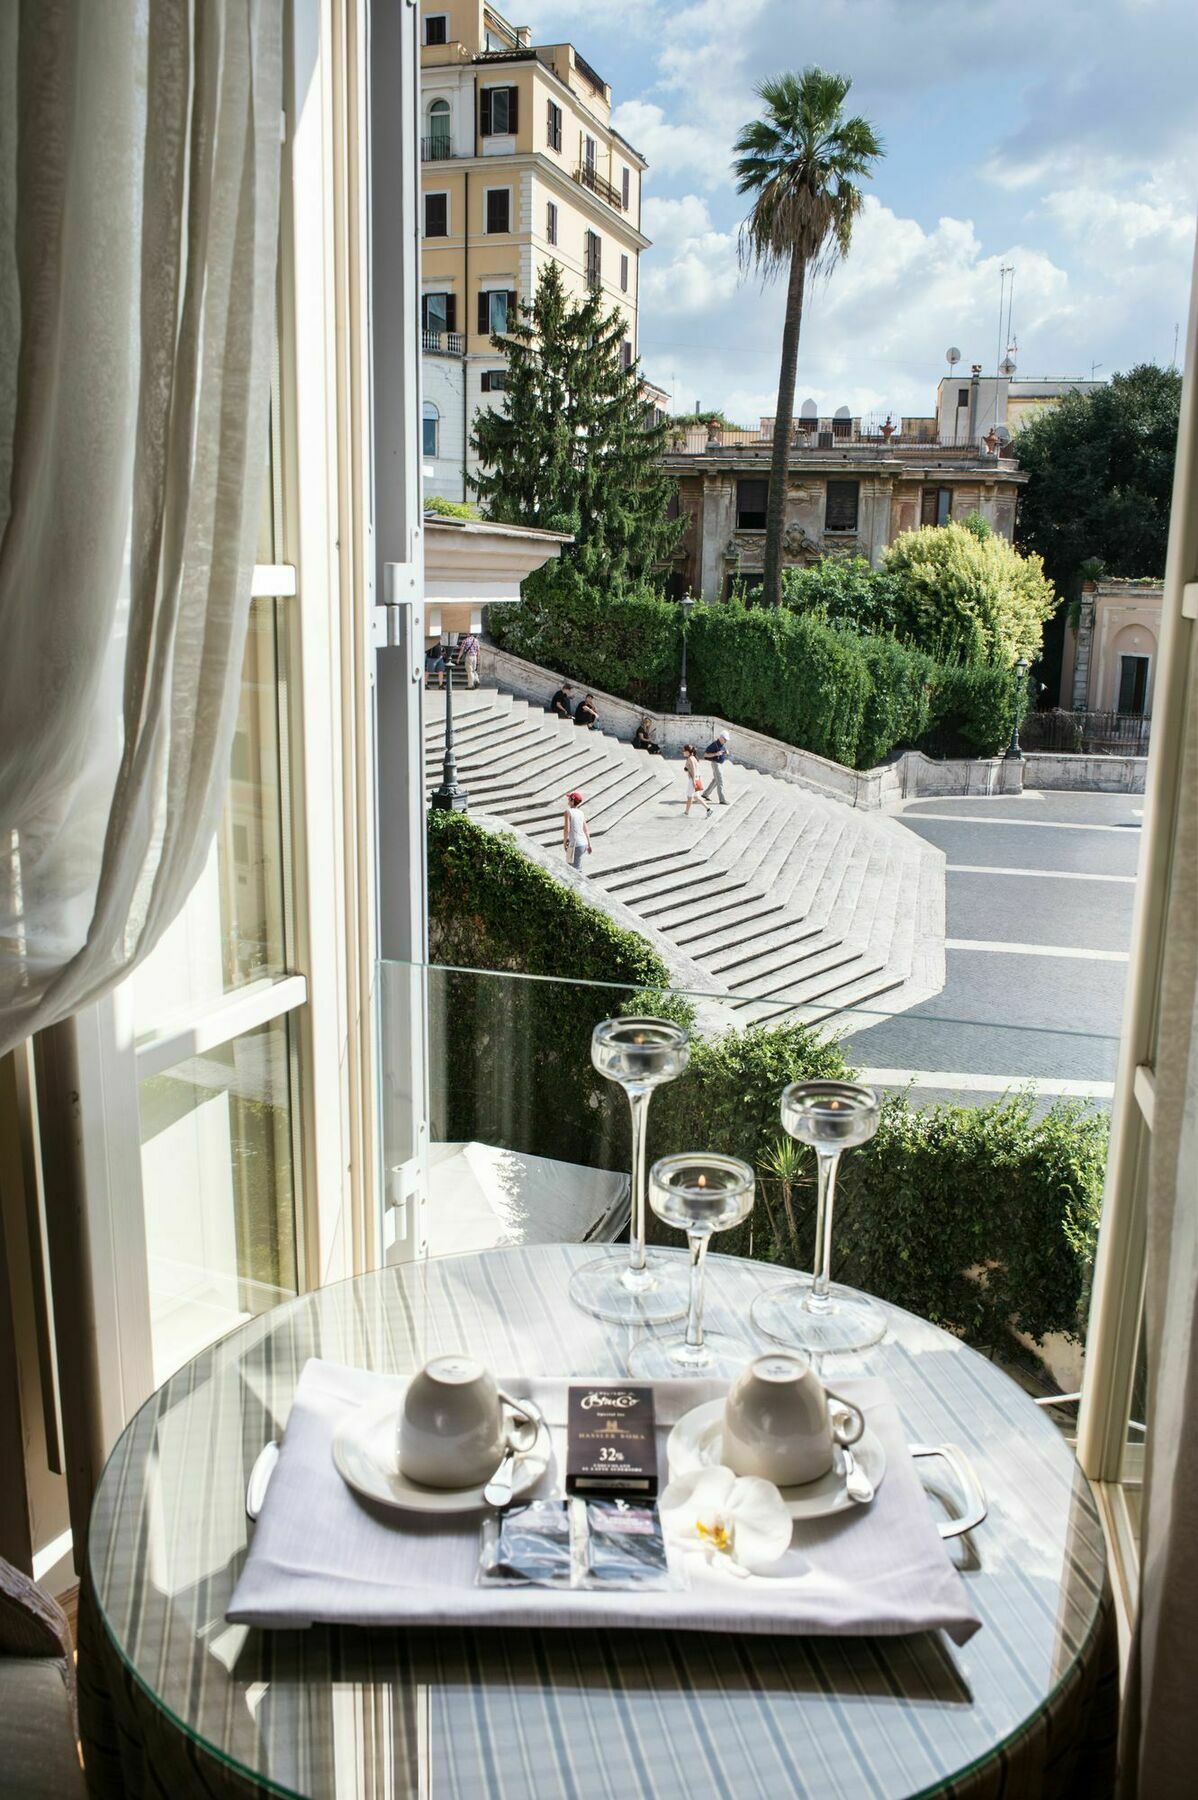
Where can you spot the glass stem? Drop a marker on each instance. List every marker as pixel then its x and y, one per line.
pixel 639 1103
pixel 826 1166
pixel 697 1243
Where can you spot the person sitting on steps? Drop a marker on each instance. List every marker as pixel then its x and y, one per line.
pixel 643 738
pixel 562 703
pixel 585 713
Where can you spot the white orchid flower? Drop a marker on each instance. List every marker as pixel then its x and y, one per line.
pixel 739 1520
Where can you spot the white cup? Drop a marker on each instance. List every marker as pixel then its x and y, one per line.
pixel 453 1428
pixel 777 1423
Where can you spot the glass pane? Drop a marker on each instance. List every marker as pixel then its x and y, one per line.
pixel 1132 1472
pixel 219 1188
pixel 231 931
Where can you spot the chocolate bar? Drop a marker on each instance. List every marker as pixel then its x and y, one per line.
pixel 611 1444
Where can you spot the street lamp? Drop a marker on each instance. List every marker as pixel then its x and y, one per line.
pixel 682 704
pixel 449 797
pixel 1021 668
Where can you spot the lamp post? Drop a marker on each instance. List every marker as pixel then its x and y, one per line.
pixel 1021 667
pixel 449 797
pixel 682 704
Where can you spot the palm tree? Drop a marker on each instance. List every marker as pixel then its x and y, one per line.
pixel 802 161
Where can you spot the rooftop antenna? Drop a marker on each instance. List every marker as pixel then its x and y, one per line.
pixel 1095 365
pixel 1176 329
pixel 1004 270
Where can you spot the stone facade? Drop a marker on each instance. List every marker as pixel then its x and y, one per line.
pixel 875 494
pixel 1118 624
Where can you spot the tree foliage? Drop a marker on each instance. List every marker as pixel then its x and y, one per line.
pixel 968 598
pixel 571 449
pixel 1101 467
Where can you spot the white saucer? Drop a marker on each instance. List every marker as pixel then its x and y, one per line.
pixel 697 1442
pixel 364 1452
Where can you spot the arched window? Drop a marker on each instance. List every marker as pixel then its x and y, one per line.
pixel 438 130
pixel 431 423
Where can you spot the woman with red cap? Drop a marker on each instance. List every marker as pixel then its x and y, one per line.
pixel 576 833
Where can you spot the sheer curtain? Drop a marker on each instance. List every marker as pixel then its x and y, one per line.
pixel 139 170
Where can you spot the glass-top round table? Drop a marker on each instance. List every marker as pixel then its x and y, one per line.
pixel 175 1700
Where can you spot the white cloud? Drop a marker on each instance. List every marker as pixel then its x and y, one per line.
pixel 1120 233
pixel 693 267
pixel 671 149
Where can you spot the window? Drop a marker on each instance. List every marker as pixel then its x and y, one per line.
pixel 499 209
pixel 626 355
pixel 752 498
pixel 498 111
pixel 624 274
pixel 436 215
pixel 494 381
pixel 1133 684
pixel 551 222
pixel 553 130
pixel 437 147
pixel 588 152
pixel 840 506
pixel 439 312
pixel 594 259
pixel 962 397
pixel 436 28
pixel 495 307
pixel 626 187
pixel 936 506
pixel 430 429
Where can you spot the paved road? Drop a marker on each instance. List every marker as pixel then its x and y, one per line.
pixel 1040 889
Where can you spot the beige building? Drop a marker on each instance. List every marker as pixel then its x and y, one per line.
pixel 1109 660
pixel 969 406
pixel 520 166
pixel 849 500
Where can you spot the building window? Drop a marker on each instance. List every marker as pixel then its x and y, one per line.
pixel 936 506
pixel 439 312
pixel 436 28
pixel 494 381
pixel 553 133
pixel 498 111
pixel 752 498
pixel 495 307
pixel 840 506
pixel 626 355
pixel 551 222
pixel 962 397
pixel 499 209
pixel 588 152
pixel 430 429
pixel 626 187
pixel 1133 684
pixel 436 215
pixel 594 260
pixel 624 274
pixel 437 146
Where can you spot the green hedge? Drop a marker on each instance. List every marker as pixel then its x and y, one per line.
pixel 972 1216
pixel 790 674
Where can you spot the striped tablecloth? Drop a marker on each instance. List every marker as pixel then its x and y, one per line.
pixel 176 1702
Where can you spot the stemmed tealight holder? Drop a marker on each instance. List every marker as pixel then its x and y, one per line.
pixel 700 1193
pixel 639 1288
pixel 810 1312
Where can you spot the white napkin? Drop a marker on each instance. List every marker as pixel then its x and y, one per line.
pixel 319 1553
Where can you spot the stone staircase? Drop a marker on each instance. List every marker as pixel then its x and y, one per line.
pixel 793 905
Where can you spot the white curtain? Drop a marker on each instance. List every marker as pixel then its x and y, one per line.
pixel 139 171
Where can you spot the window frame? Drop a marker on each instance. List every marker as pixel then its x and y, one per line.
pixel 435 194
pixel 551 221
pixel 624 271
pixel 592 260
pixel 431 19
pixel 487 127
pixel 1133 656
pixel 626 187
pixel 553 125
pixel 752 518
pixel 430 415
pixel 493 381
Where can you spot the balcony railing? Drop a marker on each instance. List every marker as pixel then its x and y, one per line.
pixel 697 441
pixel 444 343
pixel 436 149
pixel 589 177
pixel 1086 733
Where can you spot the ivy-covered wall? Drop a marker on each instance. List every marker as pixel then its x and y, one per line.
pixel 942 1192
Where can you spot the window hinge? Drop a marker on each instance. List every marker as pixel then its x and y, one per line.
pixel 1189 600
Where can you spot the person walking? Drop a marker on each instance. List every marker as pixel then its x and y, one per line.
pixel 434 664
pixel 716 754
pixel 694 780
pixel 562 703
pixel 576 833
pixel 585 712
pixel 468 651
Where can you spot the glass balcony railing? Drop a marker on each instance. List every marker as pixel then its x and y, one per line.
pixel 976 1205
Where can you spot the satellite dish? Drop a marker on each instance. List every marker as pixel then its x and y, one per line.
pixel 952 356
pixel 1007 366
pixel 1003 433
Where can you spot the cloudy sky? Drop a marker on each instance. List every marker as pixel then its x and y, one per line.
pixel 1058 136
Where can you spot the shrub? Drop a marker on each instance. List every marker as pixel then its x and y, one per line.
pixel 967 598
pixel 625 641
pixel 972 710
pixel 845 590
pixel 450 509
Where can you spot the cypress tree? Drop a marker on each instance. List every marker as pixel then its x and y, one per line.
pixel 571 449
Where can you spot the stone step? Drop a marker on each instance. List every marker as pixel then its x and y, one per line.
pixel 685 899
pixel 755 919
pixel 790 962
pixel 752 954
pixel 803 989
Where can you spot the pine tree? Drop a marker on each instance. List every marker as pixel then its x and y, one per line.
pixel 570 450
